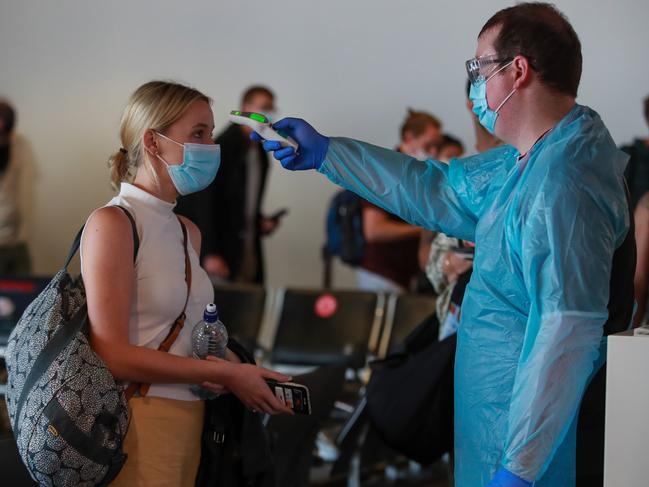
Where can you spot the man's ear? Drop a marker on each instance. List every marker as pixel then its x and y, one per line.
pixel 522 71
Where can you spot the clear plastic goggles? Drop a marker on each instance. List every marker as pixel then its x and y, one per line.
pixel 479 68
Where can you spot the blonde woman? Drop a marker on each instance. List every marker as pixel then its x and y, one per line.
pixel 167 150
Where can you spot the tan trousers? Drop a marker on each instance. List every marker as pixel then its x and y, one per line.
pixel 163 443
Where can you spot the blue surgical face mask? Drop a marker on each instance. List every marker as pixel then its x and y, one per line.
pixel 200 164
pixel 478 95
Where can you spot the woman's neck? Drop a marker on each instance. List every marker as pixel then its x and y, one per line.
pixel 163 190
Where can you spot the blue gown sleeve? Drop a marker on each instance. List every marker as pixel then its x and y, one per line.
pixel 429 193
pixel 568 239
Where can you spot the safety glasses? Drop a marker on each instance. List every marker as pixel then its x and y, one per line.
pixel 479 68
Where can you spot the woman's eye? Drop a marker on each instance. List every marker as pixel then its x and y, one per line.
pixel 198 134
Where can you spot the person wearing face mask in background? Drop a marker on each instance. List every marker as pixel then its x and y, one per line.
pixel 167 151
pixel 16 179
pixel 554 259
pixel 228 211
pixel 390 257
pixel 449 148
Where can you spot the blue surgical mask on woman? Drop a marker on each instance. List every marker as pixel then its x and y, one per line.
pixel 478 95
pixel 200 164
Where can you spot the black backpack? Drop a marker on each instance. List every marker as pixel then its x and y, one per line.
pixel 345 228
pixel 413 412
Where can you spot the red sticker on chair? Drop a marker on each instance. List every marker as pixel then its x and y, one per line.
pixel 326 306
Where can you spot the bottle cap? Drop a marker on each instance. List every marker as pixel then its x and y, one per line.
pixel 211 313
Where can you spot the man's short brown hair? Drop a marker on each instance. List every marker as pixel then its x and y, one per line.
pixel 417 122
pixel 255 90
pixel 544 36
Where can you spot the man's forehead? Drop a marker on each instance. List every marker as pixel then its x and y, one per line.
pixel 486 42
pixel 260 99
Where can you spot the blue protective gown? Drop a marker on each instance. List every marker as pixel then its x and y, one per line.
pixel 531 332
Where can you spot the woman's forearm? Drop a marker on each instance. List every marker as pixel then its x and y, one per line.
pixel 131 363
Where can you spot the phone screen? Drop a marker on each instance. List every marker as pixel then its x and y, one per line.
pixel 294 396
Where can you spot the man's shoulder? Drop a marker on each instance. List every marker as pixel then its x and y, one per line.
pixel 581 146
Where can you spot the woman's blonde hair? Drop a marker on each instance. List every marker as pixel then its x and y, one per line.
pixel 155 105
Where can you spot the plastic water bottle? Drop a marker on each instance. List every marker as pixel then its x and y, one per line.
pixel 209 336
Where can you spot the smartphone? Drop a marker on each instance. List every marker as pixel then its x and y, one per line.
pixel 279 214
pixel 294 396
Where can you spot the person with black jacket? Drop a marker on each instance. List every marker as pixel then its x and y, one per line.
pixel 228 211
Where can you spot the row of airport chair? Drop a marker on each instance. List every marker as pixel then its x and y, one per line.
pixel 320 327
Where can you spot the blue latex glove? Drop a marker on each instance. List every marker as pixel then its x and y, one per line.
pixel 312 145
pixel 504 478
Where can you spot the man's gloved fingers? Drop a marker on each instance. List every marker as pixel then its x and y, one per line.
pixel 271 145
pixel 284 152
pixel 288 162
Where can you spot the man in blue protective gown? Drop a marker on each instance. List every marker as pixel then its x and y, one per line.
pixel 548 212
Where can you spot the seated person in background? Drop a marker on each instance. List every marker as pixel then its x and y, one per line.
pixel 637 170
pixel 390 260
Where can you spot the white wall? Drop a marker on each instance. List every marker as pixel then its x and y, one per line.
pixel 349 67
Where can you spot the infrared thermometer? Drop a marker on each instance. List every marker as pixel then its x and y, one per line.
pixel 260 124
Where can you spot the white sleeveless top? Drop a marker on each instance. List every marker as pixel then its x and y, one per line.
pixel 160 288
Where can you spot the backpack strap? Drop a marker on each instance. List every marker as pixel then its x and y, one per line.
pixel 57 343
pixel 176 328
pixel 77 240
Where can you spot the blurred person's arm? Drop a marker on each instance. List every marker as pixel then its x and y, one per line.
pixel 641 217
pixel 379 227
pixel 216 265
pixel 425 242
